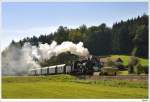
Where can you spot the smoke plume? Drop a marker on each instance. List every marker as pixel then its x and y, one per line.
pixel 18 61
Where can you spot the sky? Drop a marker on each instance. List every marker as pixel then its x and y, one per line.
pixel 21 20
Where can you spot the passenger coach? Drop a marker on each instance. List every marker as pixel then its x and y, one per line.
pixel 57 69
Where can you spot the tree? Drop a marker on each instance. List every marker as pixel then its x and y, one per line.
pixel 138 39
pixel 75 36
pixel 99 42
pixel 125 41
pixel 125 37
pixel 61 34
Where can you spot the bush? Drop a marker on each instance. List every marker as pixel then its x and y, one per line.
pixel 146 69
pixel 138 69
pixel 134 65
pixel 134 61
pixel 110 63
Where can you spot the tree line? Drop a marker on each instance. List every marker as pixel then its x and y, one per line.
pixel 125 37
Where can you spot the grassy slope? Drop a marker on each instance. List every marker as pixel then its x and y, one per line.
pixel 126 59
pixel 65 86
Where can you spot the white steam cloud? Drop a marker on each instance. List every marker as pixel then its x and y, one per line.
pixel 17 61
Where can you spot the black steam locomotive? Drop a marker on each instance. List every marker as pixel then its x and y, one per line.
pixel 87 66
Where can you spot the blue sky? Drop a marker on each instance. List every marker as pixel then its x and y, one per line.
pixel 20 20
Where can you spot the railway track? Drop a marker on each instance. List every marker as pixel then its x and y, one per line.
pixel 139 78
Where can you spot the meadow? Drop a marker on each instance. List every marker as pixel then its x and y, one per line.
pixel 69 87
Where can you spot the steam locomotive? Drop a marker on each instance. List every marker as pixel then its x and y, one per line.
pixel 77 67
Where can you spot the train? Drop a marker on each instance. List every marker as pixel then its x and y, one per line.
pixel 79 67
pixel 87 66
pixel 56 69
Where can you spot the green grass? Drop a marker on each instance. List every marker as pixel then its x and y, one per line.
pixel 126 59
pixel 123 72
pixel 66 86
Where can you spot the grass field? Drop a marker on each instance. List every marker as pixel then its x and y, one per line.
pixel 66 86
pixel 126 59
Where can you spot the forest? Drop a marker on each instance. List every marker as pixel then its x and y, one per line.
pixel 125 38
